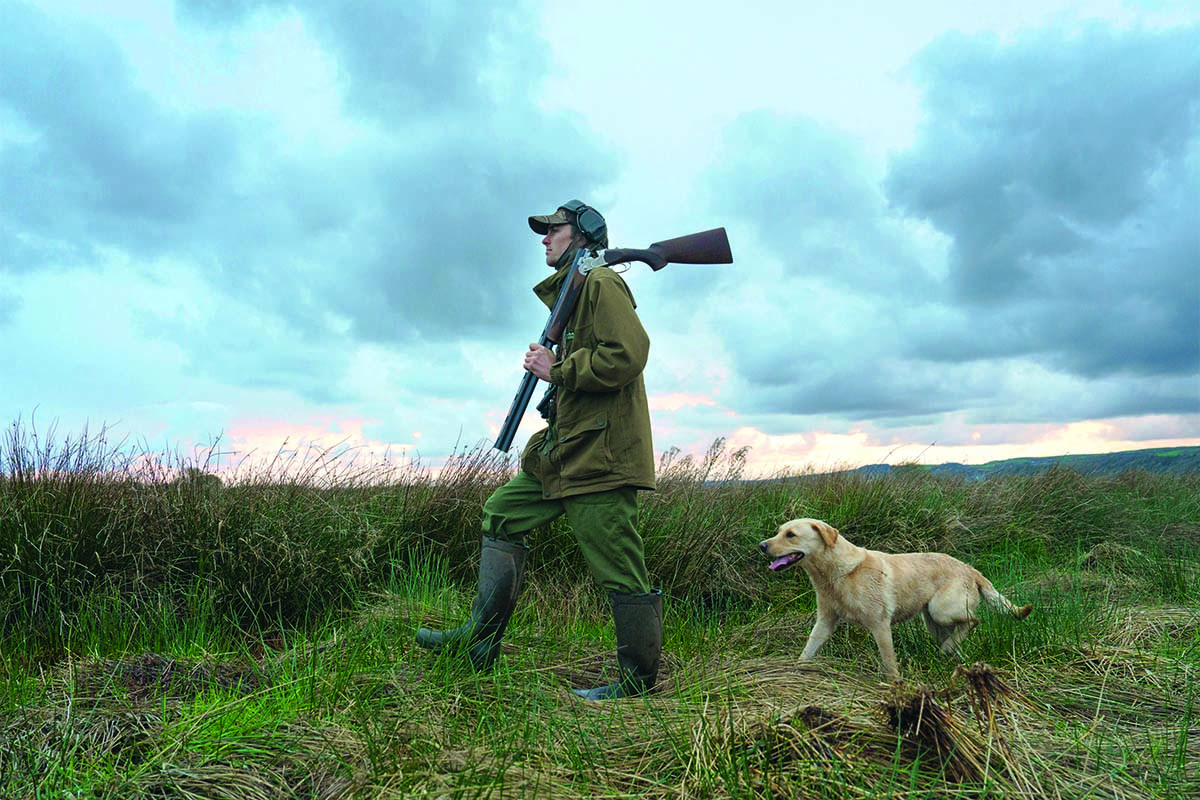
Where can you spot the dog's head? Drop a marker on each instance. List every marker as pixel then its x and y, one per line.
pixel 796 540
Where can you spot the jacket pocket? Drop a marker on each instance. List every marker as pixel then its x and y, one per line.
pixel 530 456
pixel 583 451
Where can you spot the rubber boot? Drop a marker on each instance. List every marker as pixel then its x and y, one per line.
pixel 638 622
pixel 501 568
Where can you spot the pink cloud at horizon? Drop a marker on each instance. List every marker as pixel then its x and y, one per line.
pixel 822 450
pixel 329 447
pixel 322 447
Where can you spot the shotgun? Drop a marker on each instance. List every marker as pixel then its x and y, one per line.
pixel 706 247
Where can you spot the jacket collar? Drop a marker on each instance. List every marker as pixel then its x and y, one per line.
pixel 547 290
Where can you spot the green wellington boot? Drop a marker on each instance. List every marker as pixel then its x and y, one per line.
pixel 638 622
pixel 501 567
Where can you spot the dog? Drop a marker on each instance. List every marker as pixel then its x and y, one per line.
pixel 876 590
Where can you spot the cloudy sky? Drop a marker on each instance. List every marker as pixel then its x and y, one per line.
pixel 961 231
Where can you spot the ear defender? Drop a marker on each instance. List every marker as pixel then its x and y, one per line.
pixel 589 221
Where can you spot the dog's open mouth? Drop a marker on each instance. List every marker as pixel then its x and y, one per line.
pixel 786 561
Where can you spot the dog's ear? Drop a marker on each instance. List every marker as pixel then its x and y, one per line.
pixel 827 532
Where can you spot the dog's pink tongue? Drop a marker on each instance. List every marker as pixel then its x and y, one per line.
pixel 779 563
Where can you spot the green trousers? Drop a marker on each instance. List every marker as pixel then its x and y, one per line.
pixel 604 524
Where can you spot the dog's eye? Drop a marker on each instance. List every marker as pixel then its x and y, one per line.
pixel 790 535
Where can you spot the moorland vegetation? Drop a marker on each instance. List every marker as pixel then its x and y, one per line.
pixel 169 632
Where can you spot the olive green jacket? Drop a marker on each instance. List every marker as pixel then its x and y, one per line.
pixel 599 432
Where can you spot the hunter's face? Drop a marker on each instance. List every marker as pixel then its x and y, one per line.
pixel 556 241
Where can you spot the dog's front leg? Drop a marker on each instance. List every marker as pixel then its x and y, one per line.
pixel 882 631
pixel 821 632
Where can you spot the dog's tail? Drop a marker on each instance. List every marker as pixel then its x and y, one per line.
pixel 997 600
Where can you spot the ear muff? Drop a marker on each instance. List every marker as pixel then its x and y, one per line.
pixel 589 221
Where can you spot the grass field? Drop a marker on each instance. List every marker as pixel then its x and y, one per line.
pixel 169 635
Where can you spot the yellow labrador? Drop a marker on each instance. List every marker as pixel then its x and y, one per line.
pixel 876 590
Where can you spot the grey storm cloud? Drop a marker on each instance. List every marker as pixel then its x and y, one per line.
pixel 416 235
pixel 844 391
pixel 811 192
pixel 466 260
pixel 416 59
pixel 1066 172
pixel 96 163
pixel 1063 173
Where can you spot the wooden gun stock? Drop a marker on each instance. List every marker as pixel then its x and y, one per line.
pixel 706 247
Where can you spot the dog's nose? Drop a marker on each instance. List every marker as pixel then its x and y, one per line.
pixel 763 545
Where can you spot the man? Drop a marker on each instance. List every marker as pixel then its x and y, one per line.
pixel 588 464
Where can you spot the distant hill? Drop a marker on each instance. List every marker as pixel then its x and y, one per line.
pixel 1160 459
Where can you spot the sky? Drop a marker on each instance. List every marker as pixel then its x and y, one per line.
pixel 961 232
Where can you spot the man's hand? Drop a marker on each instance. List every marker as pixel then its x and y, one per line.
pixel 538 361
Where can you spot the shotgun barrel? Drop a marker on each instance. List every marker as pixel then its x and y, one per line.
pixel 517 410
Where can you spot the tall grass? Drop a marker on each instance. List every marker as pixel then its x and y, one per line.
pixel 169 633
